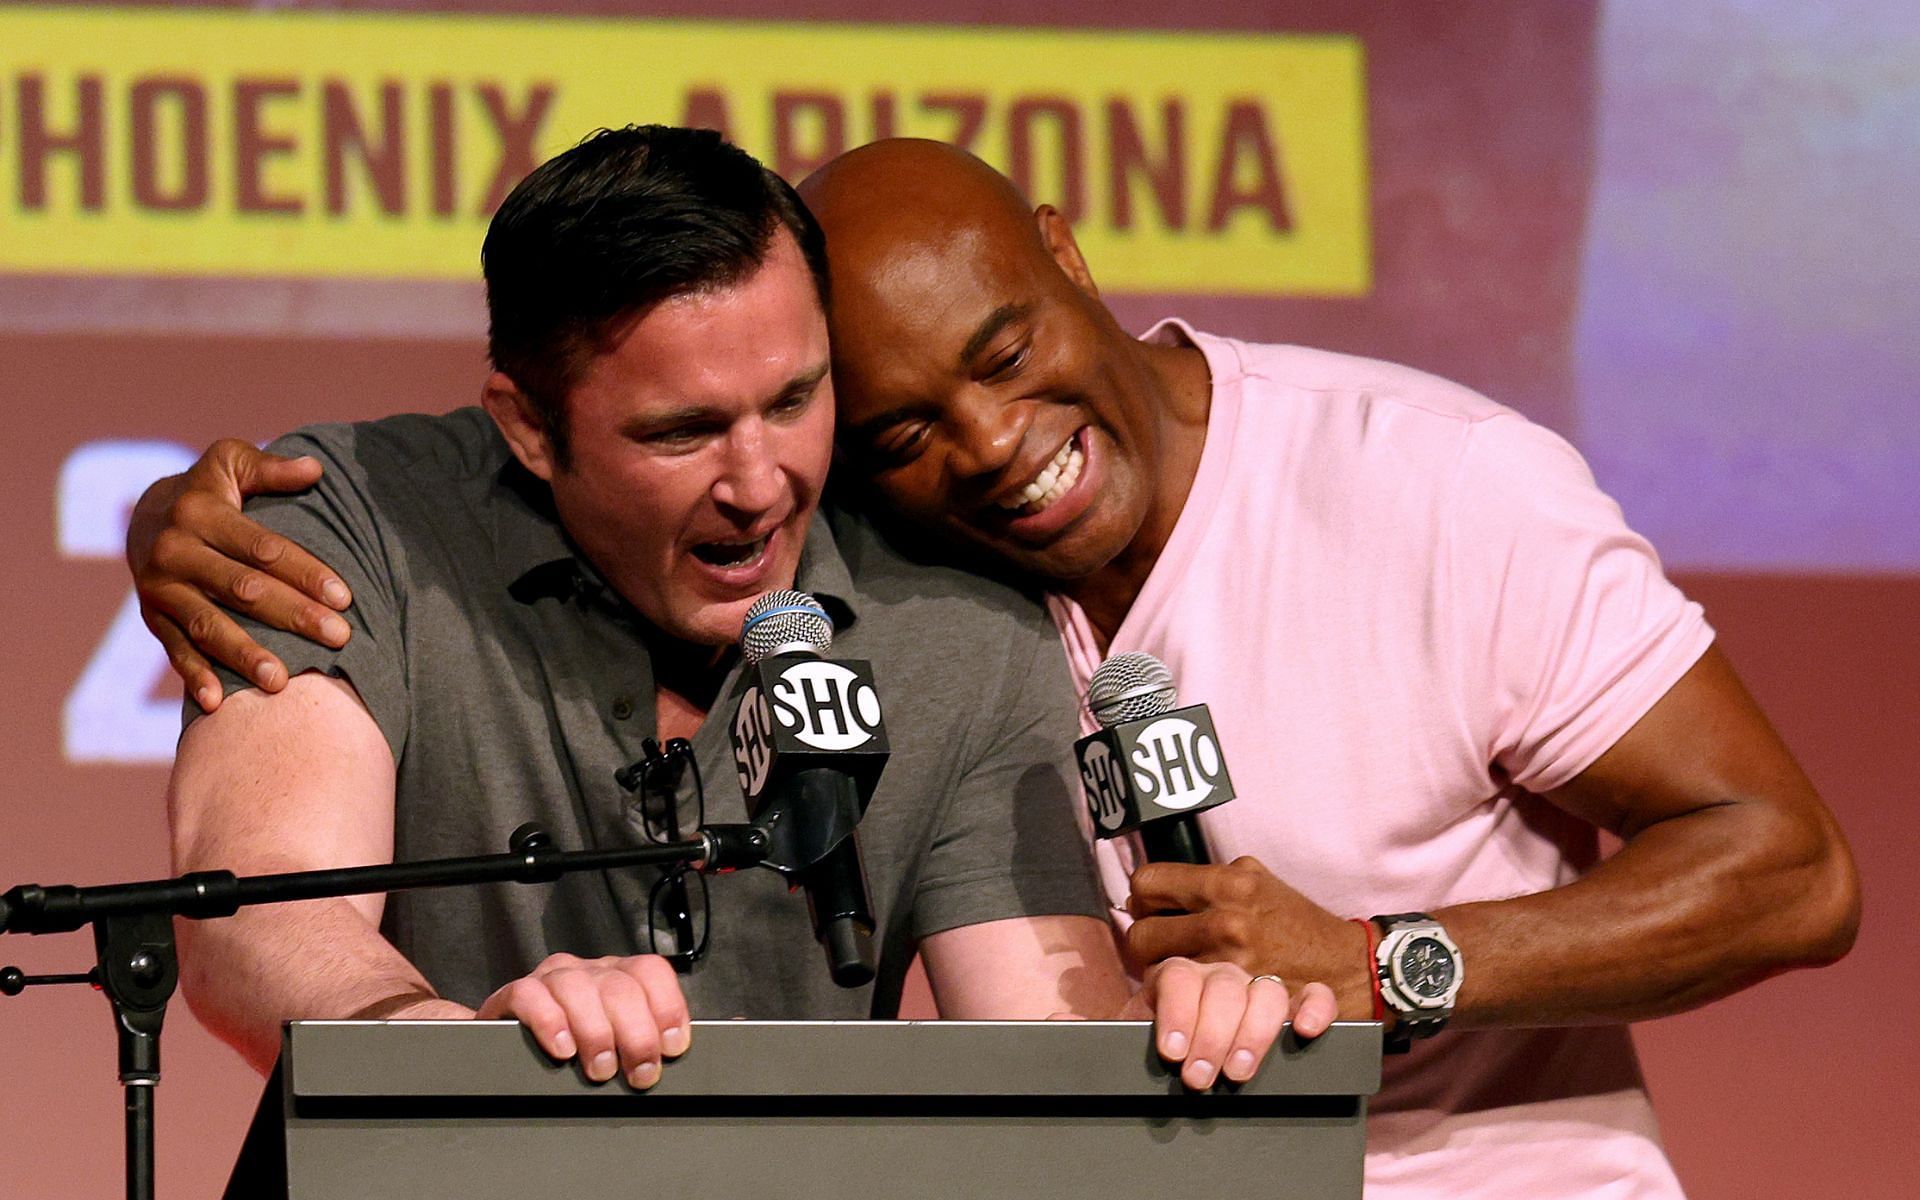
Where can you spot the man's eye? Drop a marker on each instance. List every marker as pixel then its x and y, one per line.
pixel 902 446
pixel 792 405
pixel 679 437
pixel 1010 362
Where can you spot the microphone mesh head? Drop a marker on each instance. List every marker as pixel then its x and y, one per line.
pixel 785 621
pixel 1130 687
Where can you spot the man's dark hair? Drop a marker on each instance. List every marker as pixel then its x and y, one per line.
pixel 624 220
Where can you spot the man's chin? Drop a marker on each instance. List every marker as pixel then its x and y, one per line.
pixel 1062 561
pixel 716 620
pixel 716 624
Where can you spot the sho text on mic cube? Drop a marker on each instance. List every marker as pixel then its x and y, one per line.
pixel 809 742
pixel 1150 760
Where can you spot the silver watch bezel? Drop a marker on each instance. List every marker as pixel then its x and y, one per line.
pixel 1393 985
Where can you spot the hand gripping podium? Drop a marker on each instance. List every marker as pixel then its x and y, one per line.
pixel 806 1110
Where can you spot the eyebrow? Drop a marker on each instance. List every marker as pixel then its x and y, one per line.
pixel 996 321
pixel 805 381
pixel 800 384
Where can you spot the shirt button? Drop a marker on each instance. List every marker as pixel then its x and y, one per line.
pixel 622 709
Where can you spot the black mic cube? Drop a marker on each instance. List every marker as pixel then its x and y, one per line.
pixel 1168 765
pixel 808 738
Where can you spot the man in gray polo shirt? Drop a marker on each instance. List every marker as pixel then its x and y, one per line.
pixel 539 587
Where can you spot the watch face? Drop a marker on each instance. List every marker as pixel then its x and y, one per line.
pixel 1426 967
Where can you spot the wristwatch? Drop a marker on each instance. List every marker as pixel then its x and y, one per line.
pixel 1420 972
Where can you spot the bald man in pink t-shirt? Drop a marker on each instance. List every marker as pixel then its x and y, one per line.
pixel 1439 663
pixel 1438 660
pixel 1412 613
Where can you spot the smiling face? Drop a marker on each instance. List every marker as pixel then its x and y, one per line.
pixel 985 392
pixel 978 401
pixel 699 445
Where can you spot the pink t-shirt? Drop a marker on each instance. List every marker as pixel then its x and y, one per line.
pixel 1410 610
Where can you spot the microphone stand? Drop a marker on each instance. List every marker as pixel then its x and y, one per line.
pixel 138 967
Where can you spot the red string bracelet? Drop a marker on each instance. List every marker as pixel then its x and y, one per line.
pixel 1373 969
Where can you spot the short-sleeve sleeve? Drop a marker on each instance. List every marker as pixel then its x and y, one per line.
pixel 339 523
pixel 1007 844
pixel 1566 627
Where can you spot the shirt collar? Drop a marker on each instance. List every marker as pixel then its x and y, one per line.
pixel 823 572
pixel 535 557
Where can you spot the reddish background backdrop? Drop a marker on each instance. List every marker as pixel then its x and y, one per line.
pixel 1488 156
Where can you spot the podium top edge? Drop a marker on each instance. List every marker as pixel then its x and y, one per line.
pixel 749 1023
pixel 498 1059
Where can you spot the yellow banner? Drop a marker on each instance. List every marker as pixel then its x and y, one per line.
pixel 227 143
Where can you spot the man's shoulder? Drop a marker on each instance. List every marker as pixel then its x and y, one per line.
pixel 1349 379
pixel 919 590
pixel 420 446
pixel 399 492
pixel 960 653
pixel 1361 426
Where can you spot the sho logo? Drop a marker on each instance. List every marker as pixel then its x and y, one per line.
pixel 1100 775
pixel 1176 764
pixel 752 741
pixel 826 706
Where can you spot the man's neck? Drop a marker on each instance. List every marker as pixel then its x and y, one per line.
pixel 678 716
pixel 687 681
pixel 1182 396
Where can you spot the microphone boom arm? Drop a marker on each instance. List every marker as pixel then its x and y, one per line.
pixel 138 965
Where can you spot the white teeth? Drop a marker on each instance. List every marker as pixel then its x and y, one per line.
pixel 742 553
pixel 1055 480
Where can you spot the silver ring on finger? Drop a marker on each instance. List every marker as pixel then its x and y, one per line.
pixel 1258 978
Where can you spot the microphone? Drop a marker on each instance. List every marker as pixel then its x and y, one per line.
pixel 809 745
pixel 1152 767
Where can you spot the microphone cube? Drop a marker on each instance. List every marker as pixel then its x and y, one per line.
pixel 798 712
pixel 1167 765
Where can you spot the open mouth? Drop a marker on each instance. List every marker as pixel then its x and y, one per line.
pixel 1054 481
pixel 732 555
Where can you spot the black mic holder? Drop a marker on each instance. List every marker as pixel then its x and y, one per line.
pixel 1175 839
pixel 138 965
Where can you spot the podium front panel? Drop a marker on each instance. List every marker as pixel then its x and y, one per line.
pixel 818 1111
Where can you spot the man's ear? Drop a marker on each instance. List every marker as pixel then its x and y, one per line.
pixel 1057 235
pixel 520 423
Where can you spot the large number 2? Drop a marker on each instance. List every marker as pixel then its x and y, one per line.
pixel 109 717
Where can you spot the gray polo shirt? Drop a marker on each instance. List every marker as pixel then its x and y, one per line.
pixel 511 683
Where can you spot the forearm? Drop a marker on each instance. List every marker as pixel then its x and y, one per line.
pixel 1693 908
pixel 313 960
pixel 1027 969
pixel 1732 870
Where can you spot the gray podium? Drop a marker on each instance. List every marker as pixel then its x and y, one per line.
pixel 804 1111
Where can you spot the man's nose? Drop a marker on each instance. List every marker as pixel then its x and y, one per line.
pixel 750 481
pixel 987 431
